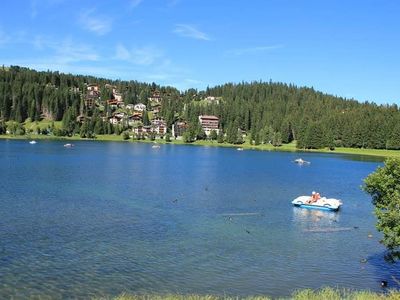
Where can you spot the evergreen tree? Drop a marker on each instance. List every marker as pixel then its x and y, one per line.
pixel 220 138
pixel 277 139
pixel 145 119
pixel 213 135
pixel 168 137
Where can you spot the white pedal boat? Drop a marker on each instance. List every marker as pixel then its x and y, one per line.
pixel 301 161
pixel 323 203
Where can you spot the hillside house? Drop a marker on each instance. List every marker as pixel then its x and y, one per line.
pixel 139 107
pixel 179 128
pixel 159 126
pixel 209 123
pixel 93 88
pixel 141 130
pixel 118 97
pixel 115 120
pixel 155 97
pixel 112 103
pixel 134 119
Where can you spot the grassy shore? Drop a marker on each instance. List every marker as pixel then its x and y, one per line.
pixel 307 294
pixel 246 146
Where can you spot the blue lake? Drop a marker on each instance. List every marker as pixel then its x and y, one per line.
pixel 100 219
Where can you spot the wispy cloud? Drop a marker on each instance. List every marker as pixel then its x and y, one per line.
pixel 135 3
pixel 138 56
pixel 68 52
pixel 190 31
pixel 253 50
pixel 98 24
pixel 65 51
pixel 66 55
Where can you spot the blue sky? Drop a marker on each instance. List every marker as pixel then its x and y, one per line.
pixel 348 48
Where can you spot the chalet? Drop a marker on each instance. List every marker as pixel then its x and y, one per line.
pixel 93 88
pixel 134 119
pixel 119 115
pixel 155 97
pixel 159 126
pixel 90 101
pixel 140 107
pixel 137 115
pixel 92 95
pixel 178 129
pixel 118 97
pixel 143 130
pixel 112 103
pixel 209 123
pixel 129 106
pixel 115 120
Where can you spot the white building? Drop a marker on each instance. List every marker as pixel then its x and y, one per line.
pixel 209 123
pixel 139 107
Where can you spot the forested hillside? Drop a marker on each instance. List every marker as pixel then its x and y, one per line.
pixel 266 112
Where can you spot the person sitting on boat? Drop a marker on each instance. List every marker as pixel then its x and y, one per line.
pixel 314 197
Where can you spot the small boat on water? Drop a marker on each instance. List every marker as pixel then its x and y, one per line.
pixel 32 142
pixel 301 161
pixel 155 146
pixel 68 145
pixel 323 203
pixel 239 149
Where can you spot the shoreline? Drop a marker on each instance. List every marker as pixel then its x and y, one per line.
pixel 378 153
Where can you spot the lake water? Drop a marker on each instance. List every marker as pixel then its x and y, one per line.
pixel 105 218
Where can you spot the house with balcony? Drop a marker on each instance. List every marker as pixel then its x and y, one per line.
pixel 159 126
pixel 209 123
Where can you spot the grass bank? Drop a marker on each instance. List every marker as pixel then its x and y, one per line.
pixel 291 147
pixel 307 294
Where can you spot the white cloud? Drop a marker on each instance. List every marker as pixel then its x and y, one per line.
pixel 69 51
pixel 190 31
pixel 253 50
pixel 65 51
pixel 98 24
pixel 138 56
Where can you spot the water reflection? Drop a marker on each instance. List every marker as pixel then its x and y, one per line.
pixel 312 219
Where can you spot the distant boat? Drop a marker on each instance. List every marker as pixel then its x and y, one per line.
pixel 301 161
pixel 239 149
pixel 68 145
pixel 32 142
pixel 155 146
